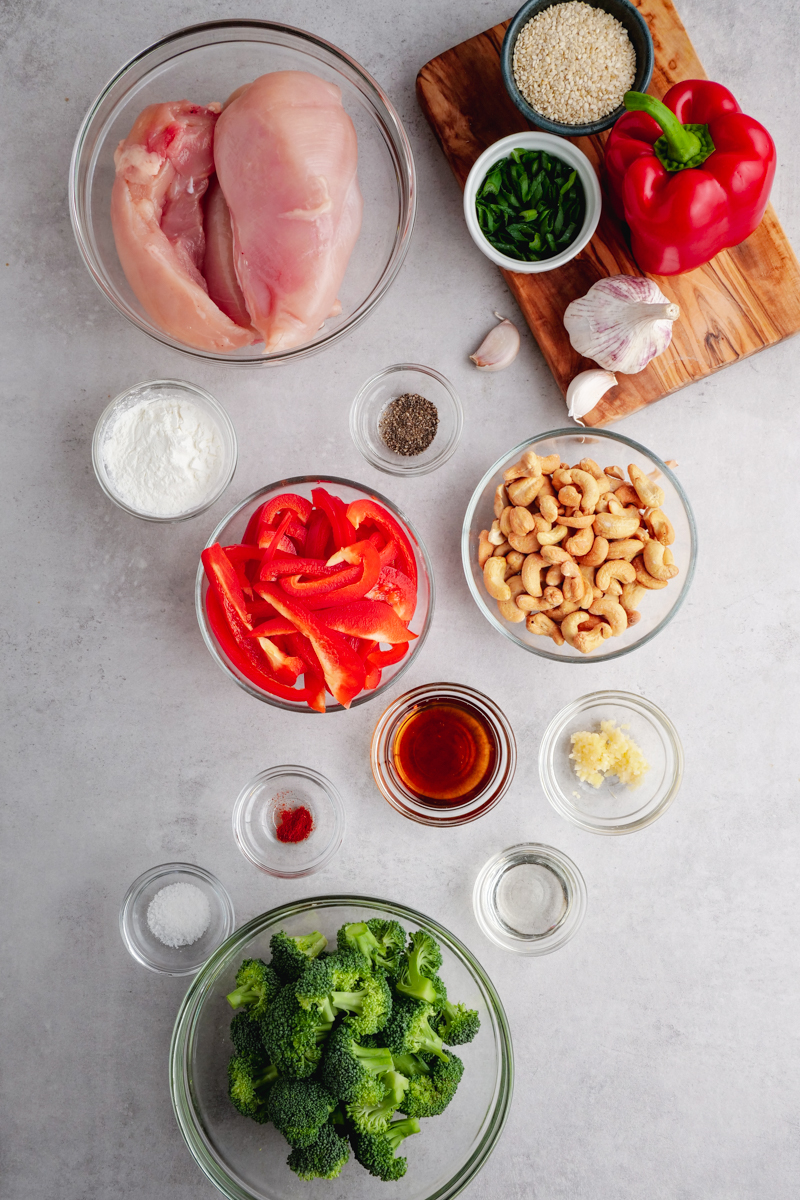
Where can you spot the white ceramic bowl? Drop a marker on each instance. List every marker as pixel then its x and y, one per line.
pixel 558 148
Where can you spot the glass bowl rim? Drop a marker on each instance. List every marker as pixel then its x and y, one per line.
pixel 560 128
pixel 227 428
pixel 466 560
pixel 191 1005
pixel 339 819
pixel 461 814
pixel 563 932
pixel 299 706
pixel 399 468
pixel 555 729
pixel 136 889
pixel 405 178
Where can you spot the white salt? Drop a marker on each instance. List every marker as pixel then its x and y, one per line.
pixel 179 914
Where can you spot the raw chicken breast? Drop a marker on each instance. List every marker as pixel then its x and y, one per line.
pixel 220 275
pixel 163 168
pixel 286 157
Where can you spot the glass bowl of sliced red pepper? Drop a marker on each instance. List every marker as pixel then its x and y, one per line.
pixel 314 594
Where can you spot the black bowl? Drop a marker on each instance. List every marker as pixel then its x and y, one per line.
pixel 637 31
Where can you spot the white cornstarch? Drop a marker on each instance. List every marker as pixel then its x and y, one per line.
pixel 574 63
pixel 163 455
pixel 179 914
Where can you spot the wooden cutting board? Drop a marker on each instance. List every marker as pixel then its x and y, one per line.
pixel 744 300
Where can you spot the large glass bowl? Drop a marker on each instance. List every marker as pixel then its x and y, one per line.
pixel 247 1161
pixel 230 531
pixel 607 449
pixel 204 63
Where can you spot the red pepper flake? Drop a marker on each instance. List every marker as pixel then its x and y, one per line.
pixel 294 824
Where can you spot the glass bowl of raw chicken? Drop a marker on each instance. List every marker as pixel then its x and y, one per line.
pixel 243 191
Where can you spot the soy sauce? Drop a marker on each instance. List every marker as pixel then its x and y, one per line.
pixel 445 752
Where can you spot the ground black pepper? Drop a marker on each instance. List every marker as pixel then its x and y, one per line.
pixel 408 424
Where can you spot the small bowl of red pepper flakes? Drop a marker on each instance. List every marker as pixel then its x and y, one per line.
pixel 314 594
pixel 289 821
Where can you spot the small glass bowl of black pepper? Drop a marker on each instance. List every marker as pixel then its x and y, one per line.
pixel 407 419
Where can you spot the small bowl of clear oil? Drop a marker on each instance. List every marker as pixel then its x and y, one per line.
pixel 530 899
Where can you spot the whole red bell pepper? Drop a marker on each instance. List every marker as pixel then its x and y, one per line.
pixel 691 175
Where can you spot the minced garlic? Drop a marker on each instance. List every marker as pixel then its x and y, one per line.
pixel 610 752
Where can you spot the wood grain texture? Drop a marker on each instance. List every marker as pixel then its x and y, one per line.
pixel 745 300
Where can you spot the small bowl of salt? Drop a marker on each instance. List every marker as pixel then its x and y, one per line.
pixel 174 917
pixel 164 450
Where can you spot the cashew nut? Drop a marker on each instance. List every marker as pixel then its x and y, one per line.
pixel 614 569
pixel 495 535
pixel 614 613
pixel 561 478
pixel 627 495
pixel 554 576
pixel 574 583
pixel 608 526
pixel 543 625
pixel 580 542
pixel 656 563
pixel 524 543
pixel 548 507
pixel 556 534
pixel 634 618
pixel 514 560
pixel 592 639
pixel 577 520
pixel 571 625
pixel 508 608
pixel 649 493
pixel 551 598
pixel 644 577
pixel 502 550
pixel 485 548
pixel 591 467
pixel 494 578
pixel 614 472
pixel 569 496
pixel 554 554
pixel 563 610
pixel 660 526
pixel 500 500
pixel 626 548
pixel 531 574
pixel 520 521
pixel 631 598
pixel 524 491
pixel 541 524
pixel 598 553
pixel 588 486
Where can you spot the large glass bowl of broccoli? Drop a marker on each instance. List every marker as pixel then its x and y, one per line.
pixel 341 1051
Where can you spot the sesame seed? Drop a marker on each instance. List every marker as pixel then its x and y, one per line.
pixel 574 63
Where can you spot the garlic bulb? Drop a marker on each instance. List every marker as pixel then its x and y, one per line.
pixel 499 348
pixel 585 391
pixel 622 322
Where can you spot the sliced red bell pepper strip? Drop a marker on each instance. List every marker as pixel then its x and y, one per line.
pixel 395 588
pixel 270 541
pixel 334 508
pixel 251 532
pixel 224 581
pixel 369 510
pixel 274 626
pixel 342 667
pixel 295 585
pixel 260 610
pixel 286 502
pixel 371 619
pixel 286 667
pixel 246 657
pixel 292 528
pixel 318 535
pixel 313 567
pixel 386 658
pixel 372 677
pixel 315 686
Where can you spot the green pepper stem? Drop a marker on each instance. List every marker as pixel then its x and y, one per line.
pixel 682 143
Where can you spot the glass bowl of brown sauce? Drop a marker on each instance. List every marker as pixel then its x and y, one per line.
pixel 443 754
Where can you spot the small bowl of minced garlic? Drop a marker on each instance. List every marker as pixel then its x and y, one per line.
pixel 567 64
pixel 611 762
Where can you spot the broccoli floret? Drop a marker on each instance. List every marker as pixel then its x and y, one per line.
pixel 429 1095
pixel 358 936
pixel 293 1036
pixel 323 1159
pixel 372 1118
pixel 250 1079
pixel 408 1030
pixel 422 962
pixel 391 939
pixel 299 1108
pixel 410 1065
pixel 369 1008
pixel 290 955
pixel 314 987
pixel 376 1151
pixel 258 985
pixel 350 1071
pixel 246 1034
pixel 456 1024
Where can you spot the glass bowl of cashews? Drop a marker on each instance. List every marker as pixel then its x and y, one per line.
pixel 579 546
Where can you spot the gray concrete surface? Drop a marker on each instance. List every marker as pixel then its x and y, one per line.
pixel 657 1054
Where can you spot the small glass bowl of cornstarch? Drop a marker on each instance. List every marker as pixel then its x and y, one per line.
pixel 407 419
pixel 567 64
pixel 174 916
pixel 164 450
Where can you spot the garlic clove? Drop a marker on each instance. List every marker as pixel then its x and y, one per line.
pixel 586 390
pixel 499 348
pixel 622 323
